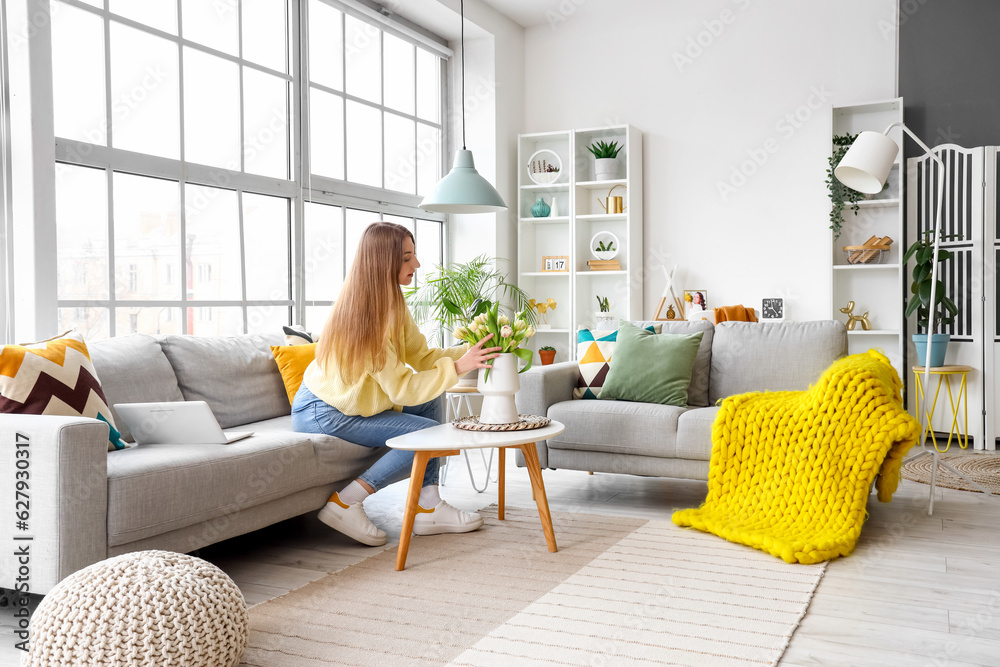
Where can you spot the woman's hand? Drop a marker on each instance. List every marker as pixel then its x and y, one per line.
pixel 476 357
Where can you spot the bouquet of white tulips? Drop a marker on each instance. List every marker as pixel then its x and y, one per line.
pixel 507 335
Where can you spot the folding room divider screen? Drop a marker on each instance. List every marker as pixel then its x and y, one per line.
pixel 969 217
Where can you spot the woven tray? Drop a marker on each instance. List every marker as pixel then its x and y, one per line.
pixel 526 423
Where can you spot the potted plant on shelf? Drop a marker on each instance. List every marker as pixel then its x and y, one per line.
pixel 499 383
pixel 454 294
pixel 943 310
pixel 605 165
pixel 840 195
pixel 547 354
pixel 543 308
pixel 605 320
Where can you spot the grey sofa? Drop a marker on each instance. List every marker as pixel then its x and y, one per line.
pixel 88 504
pixel 667 441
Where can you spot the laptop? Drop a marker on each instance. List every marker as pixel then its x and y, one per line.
pixel 175 423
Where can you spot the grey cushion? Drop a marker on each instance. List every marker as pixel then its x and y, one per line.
pixel 780 356
pixel 694 434
pixel 698 390
pixel 133 369
pixel 621 427
pixel 236 375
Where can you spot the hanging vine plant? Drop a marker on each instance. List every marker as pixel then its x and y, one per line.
pixel 840 194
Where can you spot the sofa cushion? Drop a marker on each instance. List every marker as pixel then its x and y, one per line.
pixel 133 369
pixel 594 355
pixel 785 356
pixel 54 377
pixel 292 362
pixel 694 434
pixel 235 375
pixel 651 368
pixel 698 390
pixel 621 427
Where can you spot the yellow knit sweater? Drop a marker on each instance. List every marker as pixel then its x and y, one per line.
pixel 413 374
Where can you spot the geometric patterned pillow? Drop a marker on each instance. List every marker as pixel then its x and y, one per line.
pixel 594 355
pixel 54 377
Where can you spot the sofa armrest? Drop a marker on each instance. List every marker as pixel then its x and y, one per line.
pixel 64 462
pixel 541 388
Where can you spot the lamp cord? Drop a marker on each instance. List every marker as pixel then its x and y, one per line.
pixel 462 101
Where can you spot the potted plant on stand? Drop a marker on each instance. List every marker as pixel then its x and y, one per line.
pixel 499 383
pixel 547 354
pixel 455 294
pixel 929 317
pixel 605 164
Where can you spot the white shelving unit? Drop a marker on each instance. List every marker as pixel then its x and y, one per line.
pixel 875 288
pixel 569 229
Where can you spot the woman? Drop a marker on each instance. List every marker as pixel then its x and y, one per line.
pixel 374 378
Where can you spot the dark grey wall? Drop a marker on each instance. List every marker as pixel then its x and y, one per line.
pixel 949 71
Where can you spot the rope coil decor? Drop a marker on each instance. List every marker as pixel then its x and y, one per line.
pixel 791 470
pixel 141 608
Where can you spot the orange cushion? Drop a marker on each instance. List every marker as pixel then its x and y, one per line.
pixel 292 363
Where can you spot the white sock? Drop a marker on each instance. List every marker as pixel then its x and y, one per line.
pixel 429 497
pixel 353 493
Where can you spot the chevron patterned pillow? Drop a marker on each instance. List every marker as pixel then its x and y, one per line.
pixel 54 377
pixel 594 355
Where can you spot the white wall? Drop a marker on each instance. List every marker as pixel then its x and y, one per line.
pixel 494 104
pixel 720 86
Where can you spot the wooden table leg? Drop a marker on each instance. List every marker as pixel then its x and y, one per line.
pixel 538 486
pixel 420 460
pixel 500 481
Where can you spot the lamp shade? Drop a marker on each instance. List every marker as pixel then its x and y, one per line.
pixel 867 162
pixel 463 190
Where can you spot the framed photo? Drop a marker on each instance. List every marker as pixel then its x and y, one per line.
pixel 555 263
pixel 695 301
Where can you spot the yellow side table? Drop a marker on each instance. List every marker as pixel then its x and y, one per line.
pixel 944 375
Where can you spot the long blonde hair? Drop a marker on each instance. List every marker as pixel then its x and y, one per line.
pixel 370 308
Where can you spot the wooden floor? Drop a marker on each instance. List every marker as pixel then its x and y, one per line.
pixel 918 590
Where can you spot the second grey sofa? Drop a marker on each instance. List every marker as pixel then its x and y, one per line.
pixel 664 440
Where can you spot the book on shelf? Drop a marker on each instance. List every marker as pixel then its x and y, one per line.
pixel 604 265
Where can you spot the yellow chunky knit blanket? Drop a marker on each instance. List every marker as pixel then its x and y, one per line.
pixel 791 471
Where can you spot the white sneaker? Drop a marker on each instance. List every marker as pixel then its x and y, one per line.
pixel 445 519
pixel 352 521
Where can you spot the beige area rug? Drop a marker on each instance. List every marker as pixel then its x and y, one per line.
pixel 620 591
pixel 983 468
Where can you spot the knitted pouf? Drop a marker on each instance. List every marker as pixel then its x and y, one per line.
pixel 142 608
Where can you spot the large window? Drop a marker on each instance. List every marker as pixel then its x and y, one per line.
pixel 217 160
pixel 6 217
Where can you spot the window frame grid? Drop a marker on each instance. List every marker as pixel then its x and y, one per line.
pixel 301 188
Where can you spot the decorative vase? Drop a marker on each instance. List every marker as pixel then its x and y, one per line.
pixel 498 391
pixel 540 209
pixel 605 169
pixel 547 356
pixel 606 321
pixel 938 350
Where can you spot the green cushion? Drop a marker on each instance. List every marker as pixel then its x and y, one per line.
pixel 651 368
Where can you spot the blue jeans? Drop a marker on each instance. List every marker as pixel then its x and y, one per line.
pixel 313 415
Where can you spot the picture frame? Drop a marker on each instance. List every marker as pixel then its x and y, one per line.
pixel 695 300
pixel 555 263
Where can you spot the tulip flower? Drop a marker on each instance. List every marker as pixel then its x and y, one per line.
pixel 506 331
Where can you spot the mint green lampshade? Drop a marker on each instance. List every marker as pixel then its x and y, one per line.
pixel 463 190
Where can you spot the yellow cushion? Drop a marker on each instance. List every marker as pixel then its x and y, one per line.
pixel 54 377
pixel 292 363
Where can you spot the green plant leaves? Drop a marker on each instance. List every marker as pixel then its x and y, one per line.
pixel 525 355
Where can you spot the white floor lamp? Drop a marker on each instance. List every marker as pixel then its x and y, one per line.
pixel 865 168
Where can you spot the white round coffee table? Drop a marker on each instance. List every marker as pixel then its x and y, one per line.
pixel 448 440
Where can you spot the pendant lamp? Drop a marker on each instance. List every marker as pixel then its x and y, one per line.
pixel 463 190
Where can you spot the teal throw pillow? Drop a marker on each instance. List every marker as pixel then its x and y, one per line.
pixel 651 368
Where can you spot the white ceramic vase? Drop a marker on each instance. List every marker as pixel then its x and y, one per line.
pixel 605 169
pixel 498 391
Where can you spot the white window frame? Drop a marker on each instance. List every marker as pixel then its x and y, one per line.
pixel 297 190
pixel 6 190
